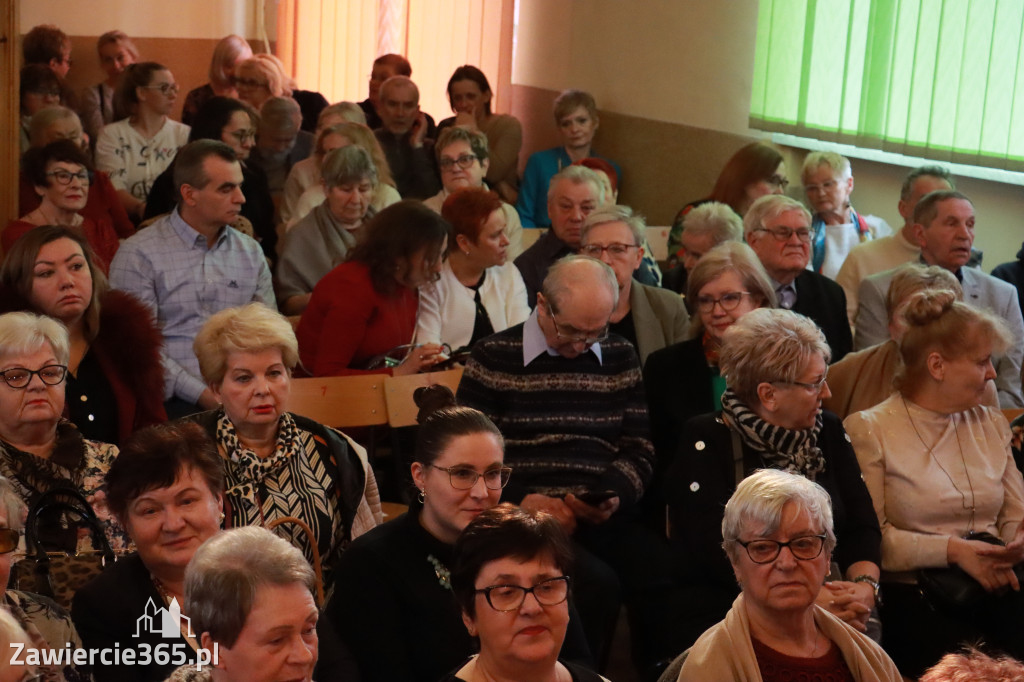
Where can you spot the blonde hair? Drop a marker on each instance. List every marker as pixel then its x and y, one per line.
pixel 363 137
pixel 350 111
pixel 228 49
pixel 910 278
pixel 250 328
pixel 838 164
pixel 766 345
pixel 739 258
pixel 270 68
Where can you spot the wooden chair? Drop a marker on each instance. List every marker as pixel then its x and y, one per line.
pixel 398 393
pixel 341 402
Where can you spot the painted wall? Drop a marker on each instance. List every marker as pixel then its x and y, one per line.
pixel 673 79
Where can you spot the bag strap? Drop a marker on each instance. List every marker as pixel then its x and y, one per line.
pixel 68 500
pixel 316 551
pixel 737 455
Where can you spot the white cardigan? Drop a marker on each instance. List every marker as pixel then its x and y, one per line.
pixel 447 312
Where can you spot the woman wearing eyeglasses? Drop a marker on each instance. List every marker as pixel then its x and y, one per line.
pixel 397 578
pixel 480 291
pixel 726 284
pixel 778 533
pixel 61 174
pixel 38 449
pixel 232 122
pixel 511 582
pixel 774 363
pixel 135 150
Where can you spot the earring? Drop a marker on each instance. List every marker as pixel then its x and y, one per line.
pixel 222 517
pixel 423 495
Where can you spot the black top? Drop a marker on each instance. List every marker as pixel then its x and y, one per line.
pixel 626 329
pixel 482 325
pixel 533 263
pixel 92 405
pixel 824 301
pixel 310 104
pixel 703 476
pixel 578 672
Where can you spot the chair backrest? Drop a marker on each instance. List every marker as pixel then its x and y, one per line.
pixel 341 402
pixel 398 393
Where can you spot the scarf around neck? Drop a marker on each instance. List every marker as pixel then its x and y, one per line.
pixel 795 451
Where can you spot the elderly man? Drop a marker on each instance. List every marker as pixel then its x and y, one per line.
pixel 779 230
pixel 704 227
pixel 384 67
pixel 944 229
pixel 280 144
pixel 462 155
pixel 191 263
pixel 837 228
pixel 569 400
pixel 403 137
pixel 886 253
pixel 573 194
pixel 648 317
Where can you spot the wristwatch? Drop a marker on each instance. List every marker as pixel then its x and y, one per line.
pixel 874 586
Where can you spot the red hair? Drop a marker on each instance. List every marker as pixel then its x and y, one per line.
pixel 467 210
pixel 594 163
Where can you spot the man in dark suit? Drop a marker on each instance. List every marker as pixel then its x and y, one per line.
pixel 778 229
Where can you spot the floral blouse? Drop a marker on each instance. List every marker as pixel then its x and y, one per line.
pixel 48 626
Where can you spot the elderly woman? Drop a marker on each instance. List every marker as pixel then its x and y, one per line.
pixel 278 464
pixel 778 533
pixel 577 121
pixel 61 174
pixel 232 122
pixel 837 228
pixel 263 76
pixel 135 150
pixel 727 283
pixel 46 624
pixel 944 485
pixel 505 555
pixel 470 95
pixel 97 103
pixel 704 228
pixel 115 378
pixel 324 238
pixel 366 307
pixel 38 449
pixel 648 317
pixel 166 487
pixel 251 599
pixel 335 137
pixel 752 172
pixel 480 291
pixel 774 363
pixel 229 51
pixel 463 157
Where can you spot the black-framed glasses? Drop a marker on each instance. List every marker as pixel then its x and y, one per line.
pixel 464 478
pixel 243 136
pixel 600 336
pixel 504 598
pixel 804 548
pixel 779 181
pixel 9 540
pixel 65 177
pixel 249 82
pixel 814 387
pixel 20 377
pixel 783 234
pixel 616 250
pixel 46 92
pixel 729 301
pixel 464 161
pixel 164 88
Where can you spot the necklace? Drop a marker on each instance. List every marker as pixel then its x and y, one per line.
pixel 444 576
pixel 963 460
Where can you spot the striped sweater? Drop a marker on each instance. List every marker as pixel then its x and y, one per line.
pixel 570 425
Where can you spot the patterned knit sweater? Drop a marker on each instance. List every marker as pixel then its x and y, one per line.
pixel 570 425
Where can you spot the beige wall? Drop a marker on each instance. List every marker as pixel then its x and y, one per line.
pixel 672 78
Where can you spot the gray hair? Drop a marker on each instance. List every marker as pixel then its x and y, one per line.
pixel 350 111
pixel 12 505
pixel 398 82
pixel 759 499
pixel 348 164
pixel 729 256
pixel 766 345
pixel 566 277
pixel 280 114
pixel 44 118
pixel 24 333
pixel 716 220
pixel 616 214
pixel 928 208
pixel 837 163
pixel 476 140
pixel 225 574
pixel 190 161
pixel 769 207
pixel 577 175
pixel 919 172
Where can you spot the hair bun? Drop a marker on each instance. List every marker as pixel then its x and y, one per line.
pixel 431 399
pixel 928 305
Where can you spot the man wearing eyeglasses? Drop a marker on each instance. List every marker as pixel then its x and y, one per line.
pixel 403 137
pixel 778 229
pixel 462 156
pixel 569 400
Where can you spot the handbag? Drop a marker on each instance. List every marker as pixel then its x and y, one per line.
pixel 58 575
pixel 954 592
